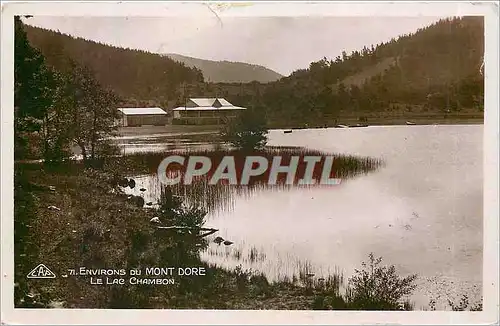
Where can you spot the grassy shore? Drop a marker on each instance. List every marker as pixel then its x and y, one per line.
pixel 76 218
pixel 73 217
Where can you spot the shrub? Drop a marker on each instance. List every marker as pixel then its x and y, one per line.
pixel 173 211
pixel 378 287
pixel 464 305
pixel 248 131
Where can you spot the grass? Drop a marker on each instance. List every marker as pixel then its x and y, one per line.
pixel 75 235
pixel 343 165
pixel 220 195
pixel 254 255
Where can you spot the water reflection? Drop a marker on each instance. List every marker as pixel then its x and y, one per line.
pixel 220 200
pixel 163 143
pixel 222 195
pixel 421 211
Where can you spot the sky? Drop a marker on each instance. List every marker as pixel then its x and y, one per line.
pixel 283 44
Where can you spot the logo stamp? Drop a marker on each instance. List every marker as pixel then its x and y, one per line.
pixel 41 271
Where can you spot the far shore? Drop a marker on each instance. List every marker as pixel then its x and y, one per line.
pixel 168 129
pixel 174 130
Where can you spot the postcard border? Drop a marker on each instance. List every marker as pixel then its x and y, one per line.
pixel 222 9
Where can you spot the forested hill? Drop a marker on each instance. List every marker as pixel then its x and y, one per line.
pixel 436 69
pixel 130 73
pixel 433 71
pixel 228 72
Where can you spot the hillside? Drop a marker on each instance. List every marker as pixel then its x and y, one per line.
pixel 359 78
pixel 132 74
pixel 228 72
pixel 434 72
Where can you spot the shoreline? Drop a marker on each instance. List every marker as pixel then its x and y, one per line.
pixel 186 130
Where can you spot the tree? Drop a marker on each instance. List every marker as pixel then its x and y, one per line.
pixel 344 56
pixel 33 84
pixel 248 131
pixel 57 128
pixel 93 110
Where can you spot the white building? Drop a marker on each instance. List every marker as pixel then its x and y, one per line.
pixel 206 111
pixel 133 117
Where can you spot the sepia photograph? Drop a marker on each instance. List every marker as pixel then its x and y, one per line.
pixel 250 157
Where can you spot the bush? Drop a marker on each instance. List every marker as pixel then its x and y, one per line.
pixel 378 287
pixel 173 211
pixel 464 304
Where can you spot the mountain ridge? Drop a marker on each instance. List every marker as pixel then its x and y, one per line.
pixel 225 71
pixel 131 73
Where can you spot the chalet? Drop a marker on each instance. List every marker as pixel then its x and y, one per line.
pixel 134 117
pixel 208 111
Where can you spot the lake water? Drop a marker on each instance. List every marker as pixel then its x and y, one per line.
pixel 422 211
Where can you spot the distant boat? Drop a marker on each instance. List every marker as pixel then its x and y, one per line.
pixel 359 125
pixel 287 131
pixel 341 126
pixel 410 123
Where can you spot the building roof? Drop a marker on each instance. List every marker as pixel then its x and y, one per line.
pixel 139 111
pixel 209 102
pixel 203 101
pixel 224 102
pixel 208 108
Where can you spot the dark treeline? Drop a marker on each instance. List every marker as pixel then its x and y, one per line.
pixel 57 108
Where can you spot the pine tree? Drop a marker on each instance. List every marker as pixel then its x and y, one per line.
pixel 33 95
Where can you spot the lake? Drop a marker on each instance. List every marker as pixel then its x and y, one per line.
pixel 421 211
